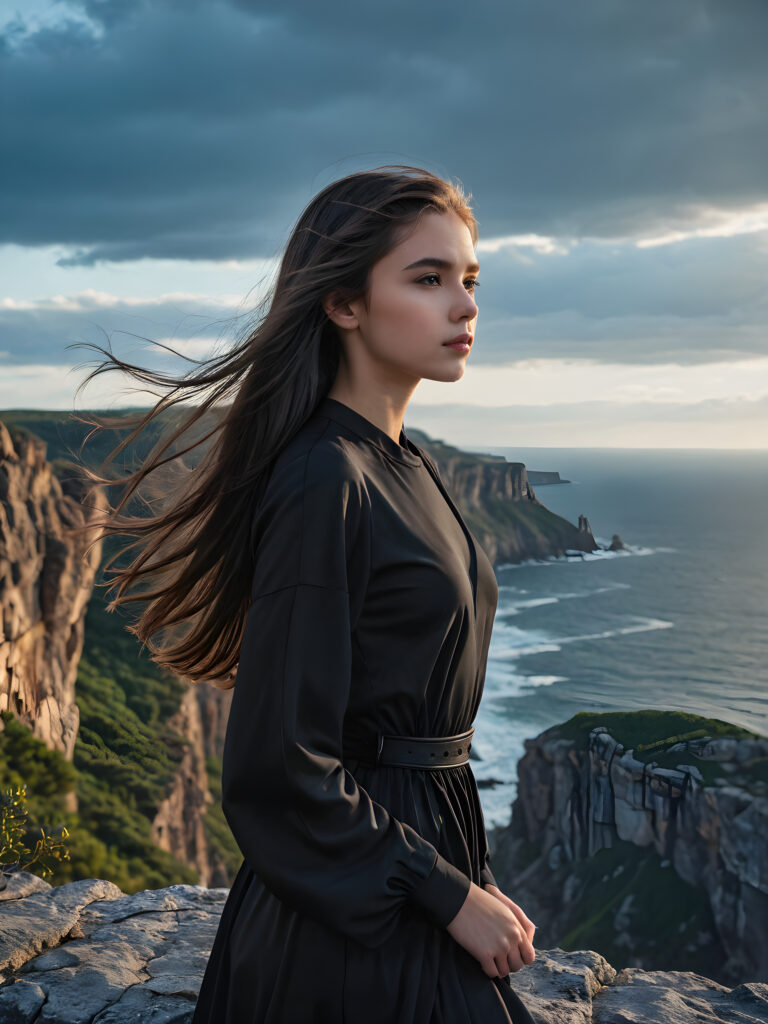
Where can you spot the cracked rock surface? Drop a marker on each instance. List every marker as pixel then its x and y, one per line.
pixel 86 953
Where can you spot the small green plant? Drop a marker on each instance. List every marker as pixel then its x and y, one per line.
pixel 13 829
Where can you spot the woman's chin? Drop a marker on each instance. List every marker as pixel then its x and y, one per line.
pixel 449 374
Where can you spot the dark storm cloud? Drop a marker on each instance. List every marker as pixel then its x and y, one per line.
pixel 201 129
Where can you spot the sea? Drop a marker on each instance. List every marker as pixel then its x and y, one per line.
pixel 676 620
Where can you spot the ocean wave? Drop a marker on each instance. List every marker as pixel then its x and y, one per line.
pixel 512 607
pixel 499 743
pixel 544 644
pixel 522 681
pixel 509 606
pixel 572 555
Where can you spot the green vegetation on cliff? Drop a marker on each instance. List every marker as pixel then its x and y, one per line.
pixel 124 760
pixel 645 728
pixel 671 920
pixel 650 733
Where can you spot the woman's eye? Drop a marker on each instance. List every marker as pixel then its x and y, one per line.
pixel 470 285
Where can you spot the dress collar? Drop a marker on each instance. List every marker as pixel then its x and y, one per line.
pixel 405 452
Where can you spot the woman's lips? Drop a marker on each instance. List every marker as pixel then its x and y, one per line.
pixel 462 343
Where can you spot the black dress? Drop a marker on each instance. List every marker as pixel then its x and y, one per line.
pixel 371 612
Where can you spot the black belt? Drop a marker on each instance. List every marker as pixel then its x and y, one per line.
pixel 417 751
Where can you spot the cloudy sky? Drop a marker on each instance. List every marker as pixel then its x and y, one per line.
pixel 157 154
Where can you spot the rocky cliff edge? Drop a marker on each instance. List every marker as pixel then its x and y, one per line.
pixel 85 951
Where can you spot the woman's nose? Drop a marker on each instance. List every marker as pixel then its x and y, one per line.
pixel 468 308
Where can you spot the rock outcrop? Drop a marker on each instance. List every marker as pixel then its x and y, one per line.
pixel 214 711
pixel 46 579
pixel 87 952
pixel 179 825
pixel 703 816
pixel 543 477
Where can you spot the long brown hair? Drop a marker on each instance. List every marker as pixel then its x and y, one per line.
pixel 195 563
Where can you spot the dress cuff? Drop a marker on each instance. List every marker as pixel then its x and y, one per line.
pixel 486 876
pixel 443 891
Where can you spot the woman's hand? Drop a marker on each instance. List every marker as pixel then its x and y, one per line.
pixel 528 926
pixel 494 930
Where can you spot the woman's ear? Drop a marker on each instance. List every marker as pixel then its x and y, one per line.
pixel 340 311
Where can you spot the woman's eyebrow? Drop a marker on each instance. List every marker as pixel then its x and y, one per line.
pixel 435 261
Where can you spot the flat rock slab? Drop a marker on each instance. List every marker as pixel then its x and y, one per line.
pixel 43 918
pixel 87 953
pixel 678 997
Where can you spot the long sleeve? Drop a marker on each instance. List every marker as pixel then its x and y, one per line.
pixel 315 837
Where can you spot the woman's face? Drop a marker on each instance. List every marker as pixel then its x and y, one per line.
pixel 421 296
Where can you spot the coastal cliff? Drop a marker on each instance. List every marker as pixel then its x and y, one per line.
pixel 46 580
pixel 501 508
pixel 85 695
pixel 652 850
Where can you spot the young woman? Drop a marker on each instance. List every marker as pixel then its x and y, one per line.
pixel 323 556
